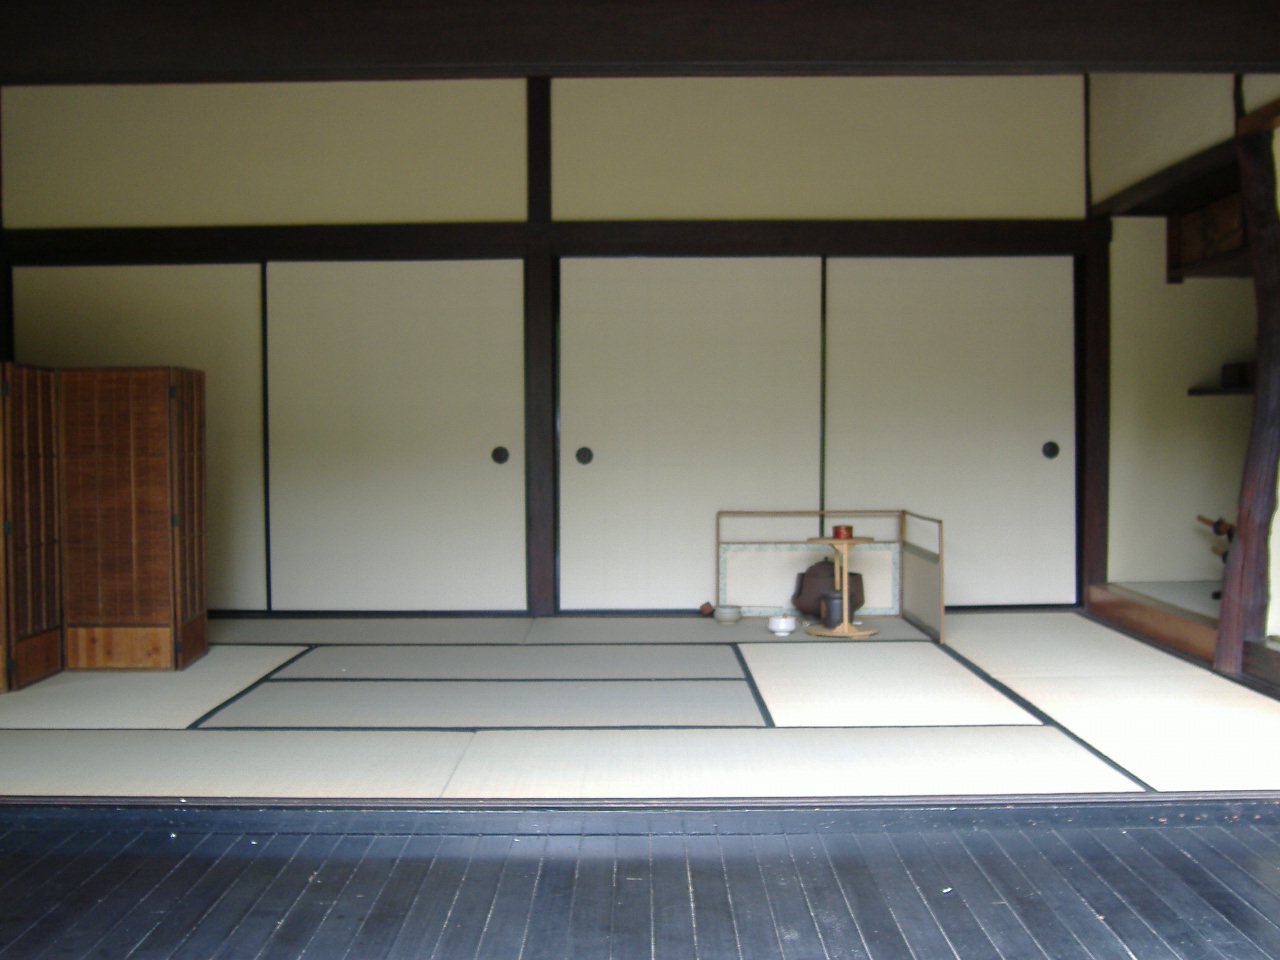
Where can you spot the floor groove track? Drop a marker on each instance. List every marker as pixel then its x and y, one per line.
pixel 800 884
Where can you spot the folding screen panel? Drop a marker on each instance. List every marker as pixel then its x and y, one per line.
pixel 946 378
pixel 694 383
pixel 207 317
pixel 391 385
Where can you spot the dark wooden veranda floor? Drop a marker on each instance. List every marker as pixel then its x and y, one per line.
pixel 1146 879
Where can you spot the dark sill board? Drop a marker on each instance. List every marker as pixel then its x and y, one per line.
pixel 1219 391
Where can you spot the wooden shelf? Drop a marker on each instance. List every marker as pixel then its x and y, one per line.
pixel 1219 391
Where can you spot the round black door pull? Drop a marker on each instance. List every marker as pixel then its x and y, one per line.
pixel 584 455
pixel 501 455
pixel 1050 450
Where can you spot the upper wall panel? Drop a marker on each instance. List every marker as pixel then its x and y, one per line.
pixel 1141 123
pixel 1261 89
pixel 818 148
pixel 268 153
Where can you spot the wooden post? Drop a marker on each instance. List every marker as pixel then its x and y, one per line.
pixel 1246 587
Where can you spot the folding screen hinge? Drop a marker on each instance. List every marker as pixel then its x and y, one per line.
pixel 8 529
pixel 11 668
pixel 4 388
pixel 173 519
pixel 173 391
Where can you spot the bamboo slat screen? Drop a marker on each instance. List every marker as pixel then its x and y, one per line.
pixel 32 580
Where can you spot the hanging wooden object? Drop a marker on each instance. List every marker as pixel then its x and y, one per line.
pixel 1246 585
pixel 31 601
pixel 133 468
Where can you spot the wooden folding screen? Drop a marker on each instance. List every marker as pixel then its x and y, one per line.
pixel 133 471
pixel 31 602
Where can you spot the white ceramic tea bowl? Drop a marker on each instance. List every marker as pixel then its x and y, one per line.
pixel 782 625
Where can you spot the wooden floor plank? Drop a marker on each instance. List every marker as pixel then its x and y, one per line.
pixel 198 900
pixel 287 888
pixel 1212 910
pixel 143 917
pixel 1244 857
pixel 548 933
pixel 297 926
pixel 753 915
pixel 944 896
pixel 1246 906
pixel 793 923
pixel 1058 924
pixel 508 922
pixel 672 899
pixel 631 935
pixel 434 899
pixel 592 914
pixel 1131 932
pixel 269 857
pixel 841 939
pixel 475 899
pixel 880 931
pixel 78 920
pixel 365 920
pixel 57 879
pixel 715 936
pixel 1003 927
pixel 1167 881
pixel 1174 929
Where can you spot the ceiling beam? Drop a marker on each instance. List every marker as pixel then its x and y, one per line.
pixel 121 41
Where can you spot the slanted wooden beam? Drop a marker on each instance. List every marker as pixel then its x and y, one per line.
pixel 1246 587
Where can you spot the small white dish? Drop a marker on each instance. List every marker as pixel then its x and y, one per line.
pixel 782 625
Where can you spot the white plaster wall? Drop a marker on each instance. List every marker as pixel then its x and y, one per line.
pixel 1260 89
pixel 1141 123
pixel 1172 456
pixel 263 153
pixel 818 147
pixel 206 317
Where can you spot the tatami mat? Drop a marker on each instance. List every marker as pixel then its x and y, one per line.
pixel 640 630
pixel 464 704
pixel 874 684
pixel 1009 645
pixel 778 763
pixel 106 699
pixel 596 662
pixel 370 630
pixel 242 763
pixel 1173 724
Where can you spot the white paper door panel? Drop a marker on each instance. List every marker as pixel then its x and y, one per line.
pixel 695 384
pixel 945 378
pixel 389 385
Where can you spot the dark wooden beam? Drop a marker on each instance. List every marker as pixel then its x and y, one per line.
pixel 119 41
pixel 1198 180
pixel 388 241
pixel 1246 586
pixel 468 241
pixel 1093 405
pixel 836 238
pixel 541 283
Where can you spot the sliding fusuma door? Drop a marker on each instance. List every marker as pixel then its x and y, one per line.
pixel 687 386
pixel 391 388
pixel 951 391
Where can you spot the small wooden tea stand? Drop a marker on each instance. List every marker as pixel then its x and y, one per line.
pixel 844 628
